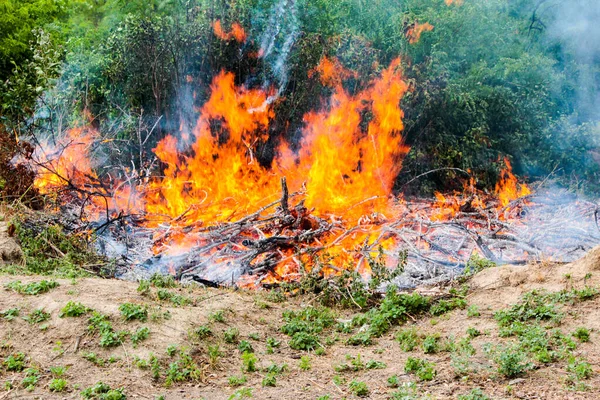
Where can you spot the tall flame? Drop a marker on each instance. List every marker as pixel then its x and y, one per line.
pixel 414 32
pixel 237 32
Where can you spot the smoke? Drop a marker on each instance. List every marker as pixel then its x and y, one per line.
pixel 277 40
pixel 573 29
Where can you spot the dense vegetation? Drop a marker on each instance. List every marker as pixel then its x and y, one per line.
pixel 493 78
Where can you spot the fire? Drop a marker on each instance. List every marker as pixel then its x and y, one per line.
pixel 450 2
pixel 66 162
pixel 414 32
pixel 237 32
pixel 508 188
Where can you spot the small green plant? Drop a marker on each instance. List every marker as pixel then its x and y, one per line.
pixel 57 385
pixel 163 281
pixel 231 335
pixel 272 343
pixel 15 362
pixel 245 347
pixel 305 363
pixel 217 316
pixel 58 371
pixel 144 287
pixel 375 365
pixel 102 391
pixel 37 316
pixel 424 370
pixel 254 336
pixel 32 376
pixel 249 361
pixel 33 288
pixel 359 389
pixel 73 309
pixel 408 339
pixel 582 334
pixel 511 361
pixel 477 264
pixel 473 332
pixel 184 369
pixel 172 349
pixel 214 353
pixel 475 394
pixel 235 381
pixel 202 332
pixel 579 368
pixel 110 338
pixel 131 311
pixel 304 325
pixel 406 391
pixel 173 298
pixel 270 380
pixel 10 314
pixel 393 381
pixel 473 311
pixel 140 335
pixel 431 344
pixel 243 393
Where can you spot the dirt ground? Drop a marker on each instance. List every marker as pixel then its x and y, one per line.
pixel 64 341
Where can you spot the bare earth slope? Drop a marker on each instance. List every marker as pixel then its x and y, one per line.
pixel 68 342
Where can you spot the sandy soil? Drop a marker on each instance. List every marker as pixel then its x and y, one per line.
pixel 65 340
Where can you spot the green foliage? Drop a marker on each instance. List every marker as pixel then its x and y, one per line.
pixel 303 326
pixel 163 281
pixel 37 316
pixel 270 380
pixel 475 394
pixel 174 298
pixel 217 316
pixel 408 339
pixel 359 389
pixel 58 371
pixel 10 314
pixel 473 311
pixel 534 305
pixel 57 385
pixel 184 369
pixel 477 264
pixel 235 381
pixel 140 335
pixel 231 335
pixel 583 334
pixel 202 332
pixel 243 393
pixel 32 288
pixel 305 364
pixel 131 311
pixel 511 360
pixel 249 361
pixel 73 309
pixel 15 362
pixel 245 347
pixel 32 376
pixel 424 370
pixel 102 391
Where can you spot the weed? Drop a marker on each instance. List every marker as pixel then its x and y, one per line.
pixel 15 362
pixel 408 339
pixel 579 368
pixel 202 332
pixel 477 264
pixel 57 385
pixel 272 342
pixel 243 393
pixel 360 389
pixel 407 391
pixel 270 380
pixel 173 298
pixel 475 394
pixel 393 381
pixel 163 281
pixel 37 316
pixel 305 364
pixel 431 344
pixel 582 334
pixel 235 381
pixel 213 355
pixel 94 359
pixel 473 311
pixel 10 314
pixel 303 326
pixel 324 397
pixel 32 376
pixel 110 338
pixel 131 311
pixel 375 365
pixel 144 287
pixel 254 336
pixel 140 335
pixel 424 370
pixel 444 306
pixel 184 369
pixel 98 322
pixel 473 332
pixel 231 335
pixel 32 288
pixel 102 391
pixel 249 361
pixel 511 361
pixel 154 367
pixel 245 347
pixel 217 316
pixel 172 349
pixel 58 371
pixel 73 309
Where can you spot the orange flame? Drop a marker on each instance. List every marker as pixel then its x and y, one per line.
pixel 414 32
pixel 457 2
pixel 237 32
pixel 508 188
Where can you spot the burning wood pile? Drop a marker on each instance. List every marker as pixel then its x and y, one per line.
pixel 220 216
